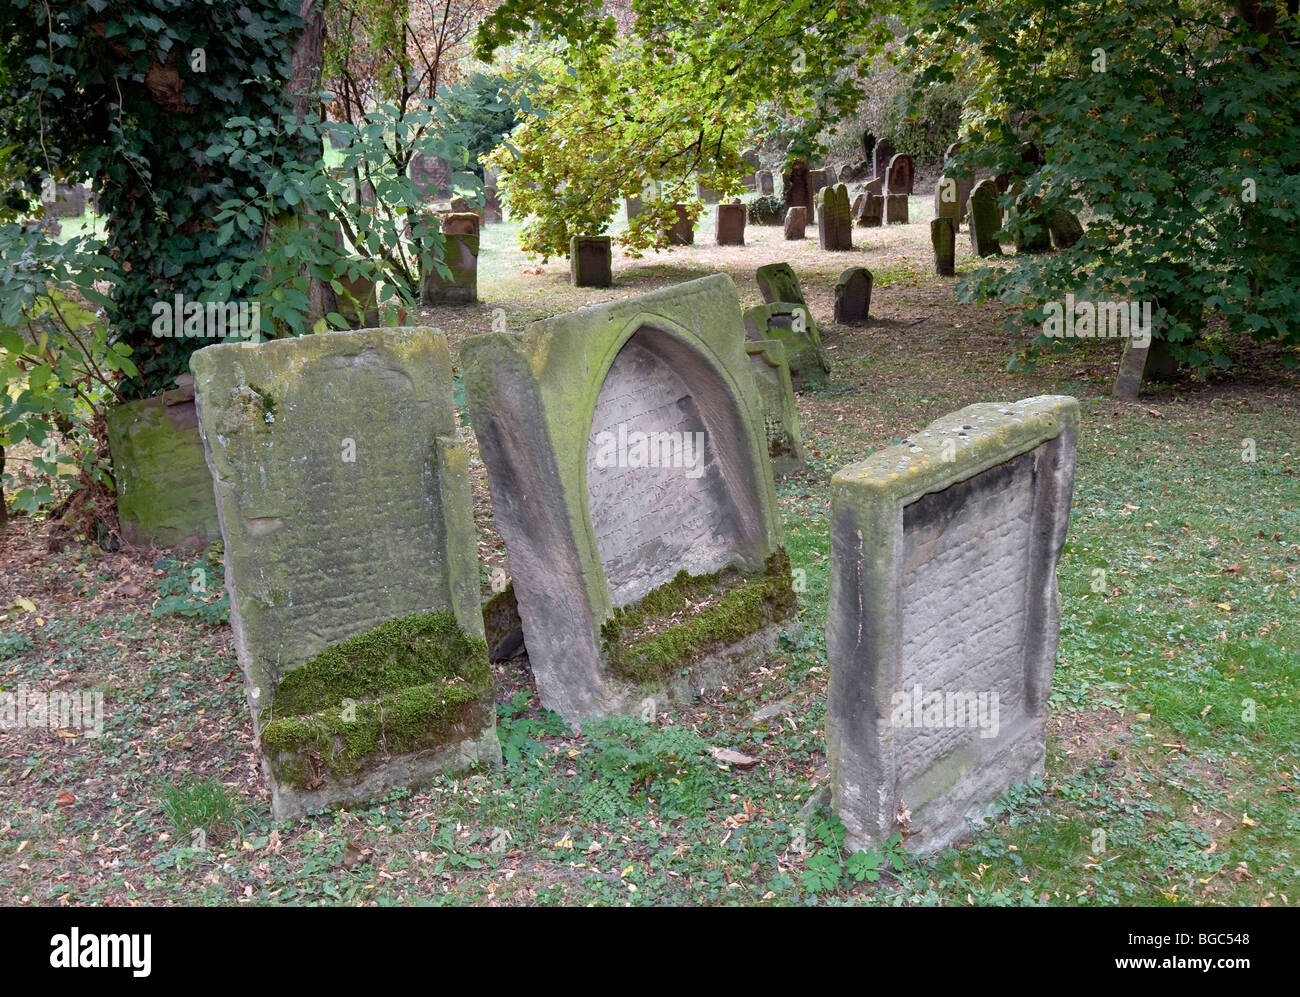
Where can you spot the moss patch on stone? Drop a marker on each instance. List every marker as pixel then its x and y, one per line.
pixel 679 623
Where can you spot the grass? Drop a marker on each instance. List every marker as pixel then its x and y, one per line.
pixel 1174 742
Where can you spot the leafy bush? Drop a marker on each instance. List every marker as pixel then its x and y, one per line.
pixel 632 763
pixel 764 209
pixel 194 591
pixel 518 732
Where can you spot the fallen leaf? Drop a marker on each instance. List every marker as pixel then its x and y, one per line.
pixel 729 757
pixel 65 799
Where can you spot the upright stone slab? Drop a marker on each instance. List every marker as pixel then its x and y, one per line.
pixel 777 282
pixel 950 198
pixel 901 178
pixel 459 286
pixel 431 176
pixel 873 210
pixel 492 209
pixel 792 324
pixel 780 417
pixel 881 155
pixel 843 216
pixel 1132 367
pixel 351 560
pixel 730 225
pixel 1065 228
pixel 795 188
pixel 985 219
pixel 943 620
pixel 796 222
pixel 682 232
pixel 853 296
pixel 834 219
pixel 765 185
pixel 591 261
pixel 895 209
pixel 750 156
pixel 625 443
pixel 164 489
pixel 943 236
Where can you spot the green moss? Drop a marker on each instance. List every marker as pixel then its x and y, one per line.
pixel 417 650
pixel 738 604
pixel 407 683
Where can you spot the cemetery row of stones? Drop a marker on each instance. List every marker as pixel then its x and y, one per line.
pixel 631 450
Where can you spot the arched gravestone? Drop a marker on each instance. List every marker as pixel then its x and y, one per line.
pixel 626 443
pixel 901 176
pixel 882 154
pixel 351 560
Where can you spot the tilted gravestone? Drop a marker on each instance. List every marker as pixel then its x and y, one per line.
pixel 901 178
pixel 985 215
pixel 750 156
pixel 351 560
pixel 591 261
pixel 796 222
pixel 1065 228
pixel 792 324
pixel 729 227
pixel 624 445
pixel 780 417
pixel 853 296
pixel 459 285
pixel 944 615
pixel 778 282
pixel 943 236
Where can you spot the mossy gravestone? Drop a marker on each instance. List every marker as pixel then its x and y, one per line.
pixel 785 316
pixel 943 236
pixel 944 616
pixel 351 560
pixel 985 219
pixel 780 417
pixel 626 452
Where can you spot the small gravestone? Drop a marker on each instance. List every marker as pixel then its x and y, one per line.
pixel 853 296
pixel 844 215
pixel 796 222
pixel 750 156
pixel 706 194
pixel 1064 227
pixel 873 210
pixel 730 225
pixel 876 185
pixel 985 216
pixel 950 198
pixel 460 256
pixel 781 418
pixel 834 220
pixel 818 180
pixel 943 236
pixel 591 261
pixel 792 324
pixel 881 155
pixel 777 282
pixel 1132 367
pixel 431 176
pixel 626 451
pixel 632 206
pixel 492 210
pixel 944 613
pixel 765 186
pixel 682 232
pixel 895 208
pixel 356 620
pixel 901 177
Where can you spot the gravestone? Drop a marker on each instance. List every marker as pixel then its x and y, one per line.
pixel 985 216
pixel 431 176
pixel 943 619
pixel 796 222
pixel 492 210
pixel 765 182
pixel 793 325
pixel 750 156
pixel 853 296
pixel 706 194
pixel 63 200
pixel 873 210
pixel 895 208
pixel 901 178
pixel 943 236
pixel 625 443
pixel 1064 227
pixel 819 179
pixel 881 155
pixel 834 219
pixel 682 232
pixel 780 417
pixel 876 185
pixel 778 282
pixel 591 261
pixel 460 256
pixel 351 560
pixel 730 225
pixel 950 198
pixel 795 189
pixel 850 172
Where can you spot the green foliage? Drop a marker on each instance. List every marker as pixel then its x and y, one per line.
pixel 633 764
pixel 59 370
pixel 764 209
pixel 518 732
pixel 1181 147
pixel 202 805
pixel 828 869
pixel 132 96
pixel 480 109
pixel 192 590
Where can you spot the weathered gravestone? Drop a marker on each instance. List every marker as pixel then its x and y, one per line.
pixel 765 182
pixel 901 178
pixel 1033 235
pixel 795 189
pixel 872 210
pixel 895 208
pixel 835 219
pixel 778 282
pixel 351 560
pixel 63 200
pixel 459 286
pixel 1065 228
pixel 780 417
pixel 729 226
pixel 792 324
pixel 853 296
pixel 431 176
pixel 880 157
pixel 626 453
pixel 750 156
pixel 950 199
pixel 944 616
pixel 985 215
pixel 796 222
pixel 706 194
pixel 943 236
pixel 591 261
pixel 492 209
pixel 682 232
